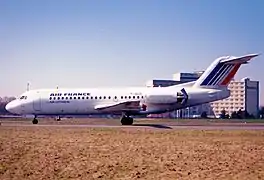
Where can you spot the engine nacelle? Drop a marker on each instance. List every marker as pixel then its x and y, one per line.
pixel 182 96
pixel 161 99
pixel 168 98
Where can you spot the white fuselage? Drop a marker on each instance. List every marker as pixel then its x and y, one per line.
pixel 89 101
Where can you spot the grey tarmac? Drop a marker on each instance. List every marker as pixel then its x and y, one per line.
pixel 160 126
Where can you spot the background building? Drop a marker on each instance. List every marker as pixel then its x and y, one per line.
pixel 244 95
pixel 161 83
pixel 187 77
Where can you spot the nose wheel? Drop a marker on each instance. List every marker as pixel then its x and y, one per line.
pixel 35 121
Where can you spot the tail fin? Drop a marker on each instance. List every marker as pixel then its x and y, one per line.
pixel 222 70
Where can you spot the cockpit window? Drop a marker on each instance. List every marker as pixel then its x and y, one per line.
pixel 23 97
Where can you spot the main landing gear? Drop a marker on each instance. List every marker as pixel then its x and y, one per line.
pixel 126 120
pixel 35 121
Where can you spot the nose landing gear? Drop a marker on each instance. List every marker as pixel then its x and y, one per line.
pixel 35 120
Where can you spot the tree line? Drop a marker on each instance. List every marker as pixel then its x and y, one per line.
pixel 3 103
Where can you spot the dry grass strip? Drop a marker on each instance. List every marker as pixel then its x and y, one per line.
pixel 86 153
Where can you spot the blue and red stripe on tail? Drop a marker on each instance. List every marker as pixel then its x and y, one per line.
pixel 222 70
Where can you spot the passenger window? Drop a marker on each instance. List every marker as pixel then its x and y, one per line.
pixel 62 98
pixel 54 98
pixel 104 97
pixel 129 97
pixel 74 98
pixel 23 97
pixel 87 97
pixel 138 97
pixel 133 97
pixel 91 97
pixel 125 97
pixel 109 97
pixel 50 98
pixel 95 97
pixel 121 97
pixel 82 97
pixel 79 97
pixel 70 97
pixel 66 98
pixel 58 98
pixel 100 97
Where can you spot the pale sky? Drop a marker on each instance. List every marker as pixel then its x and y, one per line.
pixel 122 43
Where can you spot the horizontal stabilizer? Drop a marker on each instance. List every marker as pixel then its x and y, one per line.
pixel 239 60
pixel 222 71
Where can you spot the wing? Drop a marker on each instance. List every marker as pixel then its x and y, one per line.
pixel 124 106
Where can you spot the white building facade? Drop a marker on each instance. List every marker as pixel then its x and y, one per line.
pixel 244 95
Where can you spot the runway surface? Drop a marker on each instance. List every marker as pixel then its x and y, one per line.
pixel 159 126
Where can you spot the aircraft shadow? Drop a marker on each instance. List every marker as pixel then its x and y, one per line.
pixel 153 125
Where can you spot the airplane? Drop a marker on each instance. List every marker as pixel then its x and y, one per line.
pixel 131 101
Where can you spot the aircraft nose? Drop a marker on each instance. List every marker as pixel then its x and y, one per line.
pixel 12 107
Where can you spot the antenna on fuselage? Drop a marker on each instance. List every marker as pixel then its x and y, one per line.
pixel 28 86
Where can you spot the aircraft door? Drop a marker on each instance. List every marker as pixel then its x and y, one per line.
pixel 37 102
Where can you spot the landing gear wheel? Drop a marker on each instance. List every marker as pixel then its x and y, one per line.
pixel 126 120
pixel 58 118
pixel 35 121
